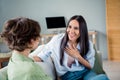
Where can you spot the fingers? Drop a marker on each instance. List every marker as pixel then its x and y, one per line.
pixel 71 48
pixel 36 59
pixel 70 52
pixel 67 49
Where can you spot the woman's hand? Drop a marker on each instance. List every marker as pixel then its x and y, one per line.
pixel 37 59
pixel 72 51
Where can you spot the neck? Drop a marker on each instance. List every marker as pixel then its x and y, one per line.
pixel 25 52
pixel 73 43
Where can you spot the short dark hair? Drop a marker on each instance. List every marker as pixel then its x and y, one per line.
pixel 18 32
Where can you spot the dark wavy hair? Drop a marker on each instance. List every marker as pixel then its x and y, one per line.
pixel 82 40
pixel 18 32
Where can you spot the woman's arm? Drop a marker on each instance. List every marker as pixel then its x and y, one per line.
pixel 84 62
pixel 44 51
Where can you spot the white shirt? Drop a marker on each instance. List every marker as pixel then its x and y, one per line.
pixel 53 49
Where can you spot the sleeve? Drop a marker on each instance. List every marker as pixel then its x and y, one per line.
pixel 46 51
pixel 91 54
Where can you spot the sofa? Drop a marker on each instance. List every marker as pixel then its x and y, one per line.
pixel 48 66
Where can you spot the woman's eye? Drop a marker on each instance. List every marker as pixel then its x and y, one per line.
pixel 76 28
pixel 69 26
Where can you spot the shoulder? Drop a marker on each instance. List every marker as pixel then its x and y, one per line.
pixel 58 37
pixel 15 67
pixel 32 67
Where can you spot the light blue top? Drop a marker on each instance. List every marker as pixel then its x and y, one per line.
pixel 53 49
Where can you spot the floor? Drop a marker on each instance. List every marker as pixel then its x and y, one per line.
pixel 112 69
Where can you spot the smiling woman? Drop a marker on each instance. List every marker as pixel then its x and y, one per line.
pixel 72 52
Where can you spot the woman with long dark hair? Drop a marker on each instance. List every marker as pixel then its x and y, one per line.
pixel 72 52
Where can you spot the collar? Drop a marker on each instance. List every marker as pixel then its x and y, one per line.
pixel 19 57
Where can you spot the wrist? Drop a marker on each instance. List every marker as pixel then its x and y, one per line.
pixel 77 57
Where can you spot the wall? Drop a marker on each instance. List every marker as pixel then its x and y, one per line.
pixel 92 10
pixel 113 29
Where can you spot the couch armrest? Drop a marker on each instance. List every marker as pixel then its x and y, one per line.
pixel 3 74
pixel 98 67
pixel 99 54
pixel 47 66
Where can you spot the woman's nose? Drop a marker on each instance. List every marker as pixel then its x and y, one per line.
pixel 71 30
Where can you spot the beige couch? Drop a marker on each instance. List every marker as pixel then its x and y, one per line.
pixel 48 66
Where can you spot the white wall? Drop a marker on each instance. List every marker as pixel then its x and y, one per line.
pixel 92 10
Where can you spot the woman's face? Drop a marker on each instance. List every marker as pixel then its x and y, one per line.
pixel 73 30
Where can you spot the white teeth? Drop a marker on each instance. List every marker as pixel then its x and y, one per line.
pixel 72 35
